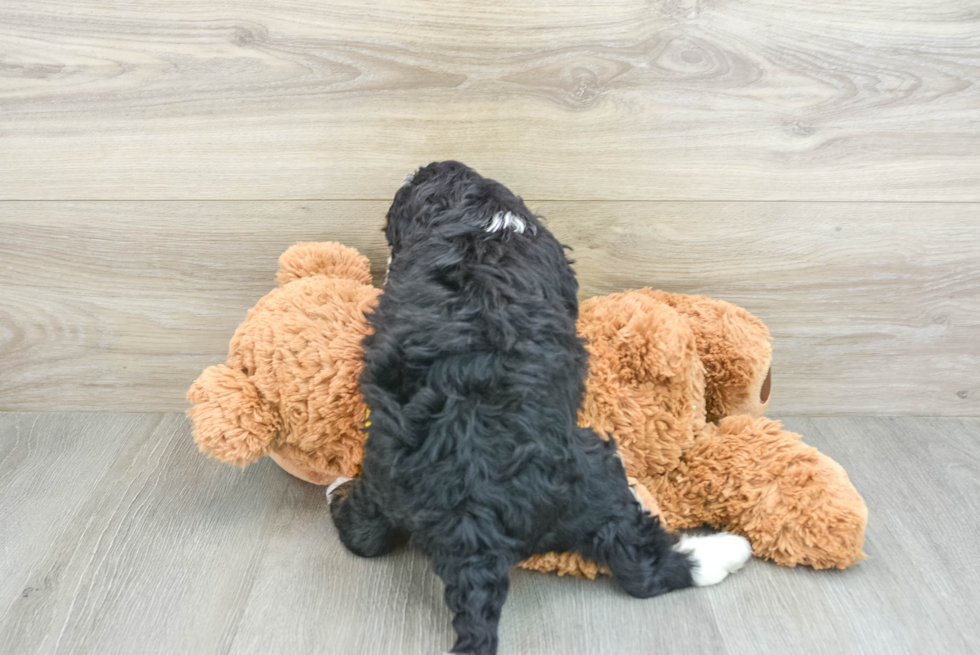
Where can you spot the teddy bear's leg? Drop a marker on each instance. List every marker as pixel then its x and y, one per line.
pixel 746 475
pixel 567 563
pixel 362 525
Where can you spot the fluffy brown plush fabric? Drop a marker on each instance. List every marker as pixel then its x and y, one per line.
pixel 733 345
pixel 748 476
pixel 680 382
pixel 290 388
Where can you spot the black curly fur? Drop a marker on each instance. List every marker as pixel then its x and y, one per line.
pixel 474 375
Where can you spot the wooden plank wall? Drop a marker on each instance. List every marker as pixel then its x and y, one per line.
pixel 818 163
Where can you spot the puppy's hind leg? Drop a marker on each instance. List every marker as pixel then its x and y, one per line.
pixel 362 525
pixel 640 553
pixel 608 524
pixel 715 556
pixel 647 561
pixel 476 588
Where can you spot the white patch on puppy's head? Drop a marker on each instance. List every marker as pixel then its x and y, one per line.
pixel 408 180
pixel 507 220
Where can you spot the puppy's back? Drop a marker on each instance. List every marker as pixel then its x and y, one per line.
pixel 475 373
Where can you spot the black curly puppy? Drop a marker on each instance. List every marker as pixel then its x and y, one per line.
pixel 474 375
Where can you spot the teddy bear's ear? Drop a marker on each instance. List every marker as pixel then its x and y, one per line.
pixel 641 339
pixel 232 422
pixel 325 258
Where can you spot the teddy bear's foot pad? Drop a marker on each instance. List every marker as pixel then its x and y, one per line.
pixel 715 556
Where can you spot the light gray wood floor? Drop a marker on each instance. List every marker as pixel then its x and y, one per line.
pixel 116 536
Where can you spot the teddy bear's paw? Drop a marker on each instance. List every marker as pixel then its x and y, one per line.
pixel 333 487
pixel 715 556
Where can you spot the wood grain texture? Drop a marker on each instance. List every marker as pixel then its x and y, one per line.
pixel 874 308
pixel 114 537
pixel 120 538
pixel 123 304
pixel 624 99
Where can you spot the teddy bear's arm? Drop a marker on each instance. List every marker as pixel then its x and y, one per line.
pixel 231 420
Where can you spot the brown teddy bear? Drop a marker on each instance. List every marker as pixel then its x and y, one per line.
pixel 680 382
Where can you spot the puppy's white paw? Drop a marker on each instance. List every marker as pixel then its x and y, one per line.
pixel 715 556
pixel 333 486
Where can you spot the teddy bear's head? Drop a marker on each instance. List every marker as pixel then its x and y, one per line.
pixel 290 387
pixel 736 350
pixel 645 383
pixel 663 365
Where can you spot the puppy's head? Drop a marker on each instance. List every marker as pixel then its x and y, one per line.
pixel 453 199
